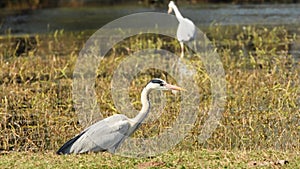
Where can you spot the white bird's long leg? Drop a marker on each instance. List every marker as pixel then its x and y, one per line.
pixel 182 49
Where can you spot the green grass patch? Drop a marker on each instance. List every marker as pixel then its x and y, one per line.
pixel 172 159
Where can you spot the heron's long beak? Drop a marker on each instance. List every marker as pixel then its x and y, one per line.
pixel 173 87
pixel 170 10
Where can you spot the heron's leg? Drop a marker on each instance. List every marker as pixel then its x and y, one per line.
pixel 195 46
pixel 193 50
pixel 182 49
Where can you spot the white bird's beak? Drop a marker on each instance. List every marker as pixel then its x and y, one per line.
pixel 173 87
pixel 170 10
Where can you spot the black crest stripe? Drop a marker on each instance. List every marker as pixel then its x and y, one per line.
pixel 156 81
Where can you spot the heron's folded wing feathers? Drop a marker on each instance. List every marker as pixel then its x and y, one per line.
pixel 65 149
pixel 186 30
pixel 105 135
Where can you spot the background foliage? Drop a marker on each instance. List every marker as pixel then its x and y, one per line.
pixel 262 108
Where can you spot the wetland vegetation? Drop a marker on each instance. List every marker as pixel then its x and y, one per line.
pixel 261 116
pixel 260 124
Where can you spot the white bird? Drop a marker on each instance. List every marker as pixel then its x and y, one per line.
pixel 109 133
pixel 186 30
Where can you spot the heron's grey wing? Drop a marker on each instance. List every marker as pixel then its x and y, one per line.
pixel 65 149
pixel 105 135
pixel 186 30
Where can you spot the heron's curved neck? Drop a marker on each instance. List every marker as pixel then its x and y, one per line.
pixel 177 13
pixel 145 106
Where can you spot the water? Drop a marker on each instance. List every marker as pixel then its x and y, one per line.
pixel 69 19
pixel 78 19
pixel 287 14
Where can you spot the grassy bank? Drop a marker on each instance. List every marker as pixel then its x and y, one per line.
pixel 172 159
pixel 261 112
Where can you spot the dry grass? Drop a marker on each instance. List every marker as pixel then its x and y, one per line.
pixel 262 108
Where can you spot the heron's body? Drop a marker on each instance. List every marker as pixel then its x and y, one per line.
pixel 108 134
pixel 97 137
pixel 186 30
pixel 189 30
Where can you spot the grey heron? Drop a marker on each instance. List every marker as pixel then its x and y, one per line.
pixel 186 30
pixel 109 133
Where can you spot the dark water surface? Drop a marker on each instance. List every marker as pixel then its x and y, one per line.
pixel 78 19
pixel 93 18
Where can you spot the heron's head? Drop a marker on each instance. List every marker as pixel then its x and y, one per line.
pixel 159 84
pixel 171 5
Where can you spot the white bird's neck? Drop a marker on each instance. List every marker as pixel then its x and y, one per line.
pixel 177 13
pixel 145 107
